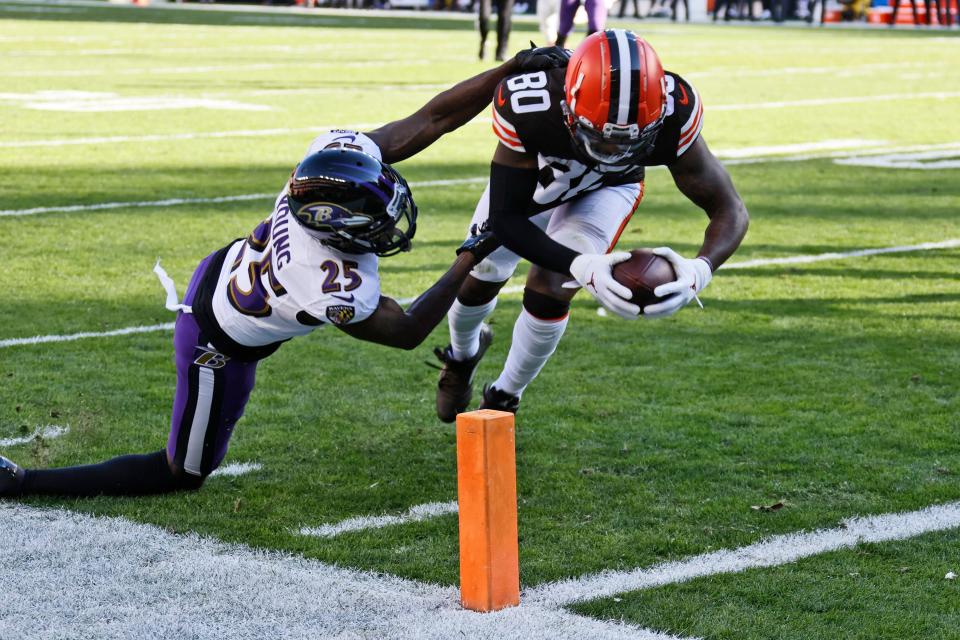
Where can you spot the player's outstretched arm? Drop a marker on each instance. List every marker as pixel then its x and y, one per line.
pixel 700 176
pixel 390 325
pixel 458 105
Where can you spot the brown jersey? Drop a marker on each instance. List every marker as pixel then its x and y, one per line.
pixel 527 118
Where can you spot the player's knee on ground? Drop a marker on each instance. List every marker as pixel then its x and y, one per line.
pixel 543 306
pixel 474 292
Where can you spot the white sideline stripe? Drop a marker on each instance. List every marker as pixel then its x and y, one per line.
pixel 820 102
pixel 820 257
pixel 175 202
pixel 235 469
pixel 867 148
pixel 160 137
pixel 865 152
pixel 771 552
pixel 760 262
pixel 116 578
pixel 16 342
pixel 800 147
pixel 49 432
pixel 413 514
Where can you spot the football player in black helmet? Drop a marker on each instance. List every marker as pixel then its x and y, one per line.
pixel 313 261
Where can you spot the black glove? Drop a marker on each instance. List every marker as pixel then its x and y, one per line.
pixel 542 58
pixel 481 243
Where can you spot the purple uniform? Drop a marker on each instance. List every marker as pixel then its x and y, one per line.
pixel 247 299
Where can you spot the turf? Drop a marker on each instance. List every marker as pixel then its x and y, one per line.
pixel 830 386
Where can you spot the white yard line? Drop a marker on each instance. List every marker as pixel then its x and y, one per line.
pixel 518 288
pixel 235 469
pixel 766 151
pixel 820 257
pixel 416 513
pixel 822 102
pixel 764 154
pixel 114 579
pixel 176 202
pixel 49 432
pixel 772 552
pixel 16 342
pixel 172 137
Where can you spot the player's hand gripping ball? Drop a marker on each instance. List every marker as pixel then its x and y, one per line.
pixel 642 273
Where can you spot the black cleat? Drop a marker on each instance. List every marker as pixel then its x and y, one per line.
pixel 11 477
pixel 498 400
pixel 455 388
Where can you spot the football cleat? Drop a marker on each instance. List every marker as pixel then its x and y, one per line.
pixel 455 387
pixel 11 477
pixel 616 98
pixel 498 400
pixel 354 202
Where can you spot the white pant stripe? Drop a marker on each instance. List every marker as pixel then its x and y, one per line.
pixel 201 420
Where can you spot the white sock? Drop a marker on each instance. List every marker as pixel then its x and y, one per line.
pixel 534 341
pixel 465 325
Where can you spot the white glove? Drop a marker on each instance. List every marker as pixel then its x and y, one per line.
pixel 594 272
pixel 692 277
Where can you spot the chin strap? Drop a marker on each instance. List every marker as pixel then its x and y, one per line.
pixel 173 301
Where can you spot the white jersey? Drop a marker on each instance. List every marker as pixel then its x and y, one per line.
pixel 281 282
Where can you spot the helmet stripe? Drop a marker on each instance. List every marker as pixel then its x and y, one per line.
pixel 623 71
pixel 614 71
pixel 634 78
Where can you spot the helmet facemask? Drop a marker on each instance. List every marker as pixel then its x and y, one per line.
pixel 614 146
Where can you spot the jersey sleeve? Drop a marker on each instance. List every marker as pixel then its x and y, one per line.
pixel 690 112
pixel 503 118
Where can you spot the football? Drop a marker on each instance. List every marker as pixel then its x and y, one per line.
pixel 642 273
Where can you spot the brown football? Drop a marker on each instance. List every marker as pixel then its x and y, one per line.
pixel 642 273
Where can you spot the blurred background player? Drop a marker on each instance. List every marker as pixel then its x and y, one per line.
pixel 566 176
pixel 596 17
pixel 504 21
pixel 312 262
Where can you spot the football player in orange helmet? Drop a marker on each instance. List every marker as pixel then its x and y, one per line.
pixel 566 176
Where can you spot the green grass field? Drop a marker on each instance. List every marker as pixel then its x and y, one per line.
pixel 830 386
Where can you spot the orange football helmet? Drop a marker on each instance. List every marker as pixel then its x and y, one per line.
pixel 615 97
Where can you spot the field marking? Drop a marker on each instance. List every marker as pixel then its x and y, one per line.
pixel 235 469
pixel 866 148
pixel 822 102
pixel 820 257
pixel 925 160
pixel 175 202
pixel 168 137
pixel 48 432
pixel 16 342
pixel 416 513
pixel 732 73
pixel 772 552
pixel 518 288
pixel 845 154
pixel 765 151
pixel 105 102
pixel 116 578
pixel 210 68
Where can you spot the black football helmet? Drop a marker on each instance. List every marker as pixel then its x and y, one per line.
pixel 356 202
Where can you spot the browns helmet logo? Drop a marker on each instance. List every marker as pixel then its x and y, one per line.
pixel 340 313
